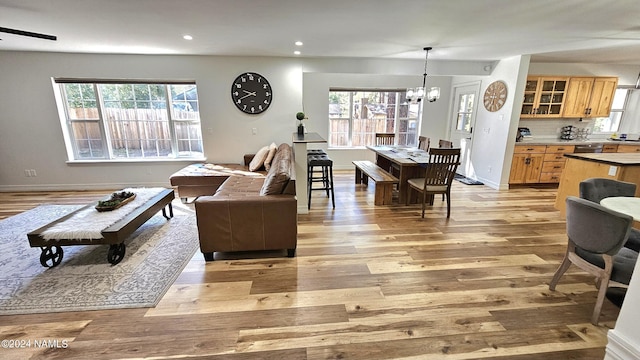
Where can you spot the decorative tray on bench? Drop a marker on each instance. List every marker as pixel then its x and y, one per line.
pixel 116 200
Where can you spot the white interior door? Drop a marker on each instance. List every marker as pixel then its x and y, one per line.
pixel 464 118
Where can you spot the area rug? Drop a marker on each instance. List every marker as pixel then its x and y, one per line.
pixel 466 180
pixel 155 255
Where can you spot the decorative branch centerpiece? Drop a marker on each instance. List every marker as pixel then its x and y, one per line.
pixel 116 200
pixel 300 116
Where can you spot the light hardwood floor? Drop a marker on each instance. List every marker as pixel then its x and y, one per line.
pixel 368 282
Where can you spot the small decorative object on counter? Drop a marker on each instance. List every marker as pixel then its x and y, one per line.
pixel 522 132
pixel 300 116
pixel 116 200
pixel 568 132
pixel 583 134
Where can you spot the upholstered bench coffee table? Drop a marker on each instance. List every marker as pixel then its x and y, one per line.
pixel 75 228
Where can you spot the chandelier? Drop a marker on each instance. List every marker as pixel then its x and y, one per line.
pixel 432 94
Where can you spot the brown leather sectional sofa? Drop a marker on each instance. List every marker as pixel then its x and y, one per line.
pixel 249 213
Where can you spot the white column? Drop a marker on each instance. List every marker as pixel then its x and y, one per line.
pixel 300 153
pixel 624 339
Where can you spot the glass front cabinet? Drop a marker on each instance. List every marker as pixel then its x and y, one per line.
pixel 544 97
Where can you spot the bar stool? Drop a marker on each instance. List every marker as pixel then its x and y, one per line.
pixel 315 152
pixel 324 175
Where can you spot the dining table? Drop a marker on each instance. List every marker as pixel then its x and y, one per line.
pixel 404 162
pixel 629 205
pixel 624 204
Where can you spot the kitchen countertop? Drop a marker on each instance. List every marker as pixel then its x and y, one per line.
pixel 608 158
pixel 306 138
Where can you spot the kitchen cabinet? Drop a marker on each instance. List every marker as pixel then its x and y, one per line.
pixel 609 148
pixel 527 164
pixel 538 164
pixel 588 97
pixel 553 163
pixel 544 97
pixel 628 148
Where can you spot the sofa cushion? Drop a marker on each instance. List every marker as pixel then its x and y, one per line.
pixel 284 152
pixel 239 186
pixel 280 172
pixel 276 181
pixel 258 160
pixel 272 152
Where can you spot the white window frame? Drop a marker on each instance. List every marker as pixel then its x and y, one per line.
pixel 169 120
pixel 617 111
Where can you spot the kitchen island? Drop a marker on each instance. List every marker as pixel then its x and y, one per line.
pixel 578 167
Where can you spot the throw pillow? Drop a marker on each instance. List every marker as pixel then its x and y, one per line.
pixel 272 151
pixel 258 160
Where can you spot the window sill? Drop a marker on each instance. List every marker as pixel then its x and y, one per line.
pixel 134 161
pixel 347 148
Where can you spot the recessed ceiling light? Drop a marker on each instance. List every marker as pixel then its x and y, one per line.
pixel 296 52
pixel 188 37
pixel 298 43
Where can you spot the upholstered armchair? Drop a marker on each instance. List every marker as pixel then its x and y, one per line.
pixel 596 189
pixel 596 237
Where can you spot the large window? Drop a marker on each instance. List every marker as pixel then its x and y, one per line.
pixel 118 120
pixel 611 124
pixel 355 116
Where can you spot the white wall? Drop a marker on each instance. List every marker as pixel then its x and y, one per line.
pixel 494 132
pixel 31 136
pixel 624 339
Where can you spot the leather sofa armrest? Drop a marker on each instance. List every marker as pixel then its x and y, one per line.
pixel 247 223
pixel 248 158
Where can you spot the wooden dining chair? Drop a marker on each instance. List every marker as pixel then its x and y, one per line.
pixel 439 174
pixel 423 143
pixel 445 144
pixel 596 237
pixel 385 139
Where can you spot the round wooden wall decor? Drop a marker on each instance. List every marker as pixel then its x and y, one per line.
pixel 495 96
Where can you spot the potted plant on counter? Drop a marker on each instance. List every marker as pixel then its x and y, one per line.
pixel 300 116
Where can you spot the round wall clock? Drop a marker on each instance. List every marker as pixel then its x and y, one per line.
pixel 495 96
pixel 251 93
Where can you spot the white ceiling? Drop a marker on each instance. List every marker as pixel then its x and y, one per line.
pixel 590 31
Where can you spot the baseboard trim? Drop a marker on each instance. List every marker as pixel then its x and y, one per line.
pixel 620 347
pixel 78 187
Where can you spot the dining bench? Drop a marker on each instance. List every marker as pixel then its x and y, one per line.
pixel 384 180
